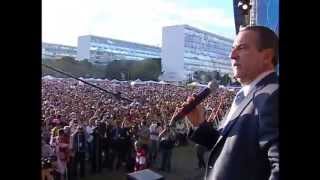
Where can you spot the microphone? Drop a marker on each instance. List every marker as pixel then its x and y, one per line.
pixel 211 88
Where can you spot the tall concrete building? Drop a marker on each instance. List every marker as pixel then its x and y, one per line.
pixel 187 49
pixel 56 51
pixel 101 50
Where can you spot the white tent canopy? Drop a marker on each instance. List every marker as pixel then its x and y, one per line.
pixel 138 81
pixel 163 82
pixel 48 77
pixel 155 82
pixel 115 80
pixel 197 84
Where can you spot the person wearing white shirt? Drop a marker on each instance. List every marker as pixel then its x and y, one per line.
pixel 155 130
pixel 89 131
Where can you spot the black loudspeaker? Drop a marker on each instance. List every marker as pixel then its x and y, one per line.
pixel 145 174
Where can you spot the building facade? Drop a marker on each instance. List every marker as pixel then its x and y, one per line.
pixel 186 49
pixel 57 51
pixel 102 50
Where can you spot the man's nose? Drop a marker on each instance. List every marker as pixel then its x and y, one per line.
pixel 233 54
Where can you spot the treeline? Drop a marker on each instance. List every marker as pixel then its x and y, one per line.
pixel 148 69
pixel 202 76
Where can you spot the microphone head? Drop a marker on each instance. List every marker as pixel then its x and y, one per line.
pixel 213 85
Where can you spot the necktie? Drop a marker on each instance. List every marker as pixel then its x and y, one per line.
pixel 240 96
pixel 238 99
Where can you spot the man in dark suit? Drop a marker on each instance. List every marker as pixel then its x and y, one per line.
pixel 245 146
pixel 96 154
pixel 79 146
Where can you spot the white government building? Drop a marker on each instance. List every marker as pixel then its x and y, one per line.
pixel 56 51
pixel 186 49
pixel 102 50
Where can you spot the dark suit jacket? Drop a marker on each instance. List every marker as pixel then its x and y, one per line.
pixel 79 139
pixel 247 147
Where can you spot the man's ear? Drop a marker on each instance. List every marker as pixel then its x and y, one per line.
pixel 268 56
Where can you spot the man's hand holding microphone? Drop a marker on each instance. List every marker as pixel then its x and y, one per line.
pixel 192 108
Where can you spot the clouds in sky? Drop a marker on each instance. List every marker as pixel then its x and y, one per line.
pixel 139 20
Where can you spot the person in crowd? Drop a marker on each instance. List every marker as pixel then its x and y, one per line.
pixel 141 157
pixel 130 164
pixel 89 131
pixel 49 168
pixel 107 146
pixel 144 135
pixel 122 145
pixel 167 140
pixel 46 163
pixel 67 139
pixel 46 150
pixel 61 145
pixel 96 151
pixel 200 151
pixel 103 131
pixel 114 146
pixel 181 132
pixel 54 131
pixel 155 130
pixel 79 148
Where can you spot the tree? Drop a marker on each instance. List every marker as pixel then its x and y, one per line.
pixel 225 80
pixel 148 69
pixel 71 66
pixel 202 76
pixel 217 75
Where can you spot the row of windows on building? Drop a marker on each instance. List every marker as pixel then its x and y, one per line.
pixel 208 62
pixel 193 34
pixel 210 54
pixel 197 48
pixel 118 43
pixel 198 41
pixel 113 55
pixel 121 50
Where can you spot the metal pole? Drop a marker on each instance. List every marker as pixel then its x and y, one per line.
pixel 116 95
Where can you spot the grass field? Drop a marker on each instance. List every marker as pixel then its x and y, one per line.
pixel 184 164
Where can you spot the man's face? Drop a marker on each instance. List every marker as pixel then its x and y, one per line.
pixel 247 62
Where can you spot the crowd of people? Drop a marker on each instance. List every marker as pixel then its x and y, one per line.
pixel 85 130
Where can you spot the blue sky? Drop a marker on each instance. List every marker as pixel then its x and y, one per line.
pixel 131 20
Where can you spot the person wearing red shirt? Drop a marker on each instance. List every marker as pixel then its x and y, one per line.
pixel 141 157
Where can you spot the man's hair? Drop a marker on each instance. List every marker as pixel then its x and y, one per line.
pixel 266 39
